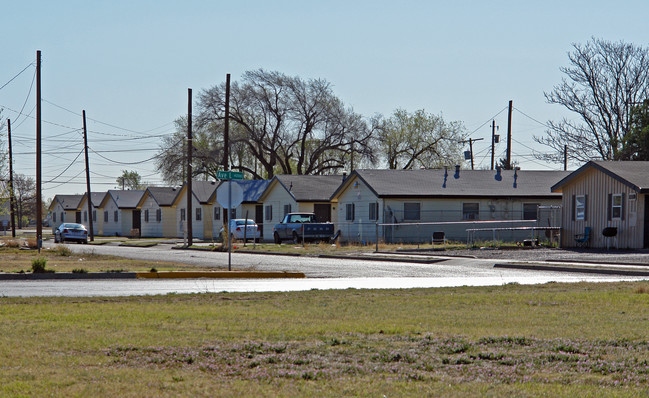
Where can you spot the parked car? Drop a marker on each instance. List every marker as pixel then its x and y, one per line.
pixel 299 227
pixel 71 232
pixel 237 226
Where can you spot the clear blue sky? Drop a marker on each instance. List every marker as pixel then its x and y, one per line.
pixel 129 64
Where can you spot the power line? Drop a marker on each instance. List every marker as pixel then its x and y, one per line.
pixel 66 169
pixel 531 118
pixel 29 93
pixel 19 73
pixel 488 120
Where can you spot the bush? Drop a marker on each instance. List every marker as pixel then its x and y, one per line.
pixel 38 265
pixel 31 243
pixel 153 269
pixel 63 250
pixel 79 271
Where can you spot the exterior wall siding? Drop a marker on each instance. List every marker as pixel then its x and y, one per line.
pixel 197 226
pixel 277 198
pixel 435 210
pixel 111 228
pixel 597 186
pixel 151 228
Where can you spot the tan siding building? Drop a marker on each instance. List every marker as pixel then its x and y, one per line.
pixel 606 195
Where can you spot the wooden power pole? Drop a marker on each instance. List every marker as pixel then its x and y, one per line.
pixel 509 136
pixel 88 193
pixel 12 196
pixel 39 201
pixel 190 147
pixel 226 128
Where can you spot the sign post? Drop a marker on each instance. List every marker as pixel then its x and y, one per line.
pixel 229 202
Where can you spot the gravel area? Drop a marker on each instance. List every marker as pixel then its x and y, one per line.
pixel 548 254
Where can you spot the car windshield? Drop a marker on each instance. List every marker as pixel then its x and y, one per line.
pixel 240 222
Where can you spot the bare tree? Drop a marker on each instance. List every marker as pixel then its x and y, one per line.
pixel 286 124
pixel 418 140
pixel 25 193
pixel 601 85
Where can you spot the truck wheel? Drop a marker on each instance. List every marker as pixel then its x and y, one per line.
pixel 296 239
pixel 276 238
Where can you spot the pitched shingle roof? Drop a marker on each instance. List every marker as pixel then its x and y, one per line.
pixel 466 183
pixel 634 174
pixel 310 188
pixel 203 190
pixel 69 202
pixel 97 198
pixel 163 196
pixel 126 199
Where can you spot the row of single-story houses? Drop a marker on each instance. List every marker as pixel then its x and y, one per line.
pixel 395 205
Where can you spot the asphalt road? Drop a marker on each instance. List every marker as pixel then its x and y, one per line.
pixel 322 273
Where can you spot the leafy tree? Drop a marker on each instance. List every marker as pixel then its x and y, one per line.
pixel 130 180
pixel 636 143
pixel 602 82
pixel 286 124
pixel 418 139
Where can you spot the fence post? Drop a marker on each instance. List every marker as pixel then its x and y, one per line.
pixel 377 237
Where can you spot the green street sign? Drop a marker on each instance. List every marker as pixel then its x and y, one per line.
pixel 229 175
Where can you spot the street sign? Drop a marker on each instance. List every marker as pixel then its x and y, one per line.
pixel 229 200
pixel 229 175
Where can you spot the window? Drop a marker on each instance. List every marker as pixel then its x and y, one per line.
pixel 182 214
pixel 411 211
pixel 198 214
pixel 62 216
pixel 470 211
pixel 105 216
pixel 530 211
pixel 116 215
pixel 349 212
pixel 580 207
pixel 287 209
pixel 54 217
pixel 374 211
pixel 158 215
pixel 269 212
pixel 94 215
pixel 85 215
pixel 217 213
pixel 617 202
pixel 146 215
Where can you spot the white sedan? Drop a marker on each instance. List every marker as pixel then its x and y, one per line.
pixel 238 226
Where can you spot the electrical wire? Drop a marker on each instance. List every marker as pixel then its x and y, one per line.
pixel 29 93
pixel 19 73
pixel 483 124
pixel 66 169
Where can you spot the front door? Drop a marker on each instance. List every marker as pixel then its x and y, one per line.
pixel 137 223
pixel 322 212
pixel 259 218
pixel 77 217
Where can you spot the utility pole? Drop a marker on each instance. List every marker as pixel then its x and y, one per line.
pixel 226 129
pixel 88 193
pixel 494 140
pixel 509 137
pixel 471 141
pixel 190 147
pixel 12 196
pixel 39 201
pixel 565 157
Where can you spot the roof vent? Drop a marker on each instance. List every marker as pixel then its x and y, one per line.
pixel 344 175
pixel 457 171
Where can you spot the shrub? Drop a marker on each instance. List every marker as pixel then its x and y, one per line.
pixel 31 243
pixel 38 265
pixel 153 269
pixel 79 271
pixel 63 250
pixel 12 243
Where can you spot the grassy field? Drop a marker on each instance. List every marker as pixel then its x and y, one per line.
pixel 519 341
pixel 61 259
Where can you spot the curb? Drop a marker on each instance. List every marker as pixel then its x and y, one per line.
pixel 387 259
pixel 602 271
pixel 218 275
pixel 68 276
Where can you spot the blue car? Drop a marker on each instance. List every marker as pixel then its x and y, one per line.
pixel 71 232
